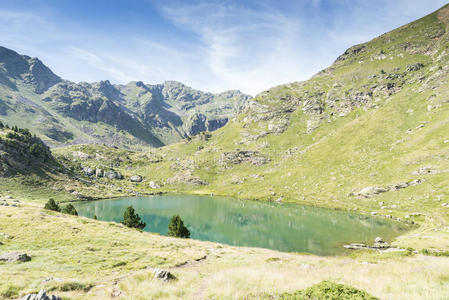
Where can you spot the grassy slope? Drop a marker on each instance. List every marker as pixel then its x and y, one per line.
pixel 369 146
pixel 375 144
pixel 76 253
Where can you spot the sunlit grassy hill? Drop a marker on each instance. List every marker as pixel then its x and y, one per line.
pixel 369 132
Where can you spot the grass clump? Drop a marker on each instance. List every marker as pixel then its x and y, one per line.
pixel 72 286
pixel 330 291
pixel 9 292
pixel 132 219
pixel 52 205
pixel 435 252
pixel 176 228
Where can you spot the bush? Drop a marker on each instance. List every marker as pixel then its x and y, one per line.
pixel 328 290
pixel 52 205
pixel 70 209
pixel 131 219
pixel 176 228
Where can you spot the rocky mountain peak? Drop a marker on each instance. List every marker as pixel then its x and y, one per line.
pixel 31 70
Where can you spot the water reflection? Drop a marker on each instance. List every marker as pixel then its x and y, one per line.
pixel 284 227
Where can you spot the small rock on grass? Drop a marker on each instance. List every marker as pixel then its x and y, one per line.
pixel 14 257
pixel 163 274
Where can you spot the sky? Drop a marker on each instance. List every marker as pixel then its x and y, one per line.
pixel 211 45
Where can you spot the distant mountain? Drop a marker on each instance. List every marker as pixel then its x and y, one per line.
pixel 132 115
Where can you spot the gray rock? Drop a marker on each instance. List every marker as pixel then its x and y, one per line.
pixel 113 175
pixel 136 178
pixel 88 171
pixel 99 173
pixel 378 240
pixel 163 274
pixel 42 295
pixel 154 185
pixel 15 257
pixel 414 67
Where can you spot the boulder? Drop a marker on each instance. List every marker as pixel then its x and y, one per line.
pixel 42 295
pixel 99 173
pixel 378 240
pixel 113 175
pixel 136 178
pixel 163 274
pixel 88 171
pixel 154 185
pixel 15 257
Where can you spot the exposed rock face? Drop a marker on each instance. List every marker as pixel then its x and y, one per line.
pixel 243 156
pixel 15 257
pixel 42 295
pixel 30 70
pixel 369 191
pixel 134 114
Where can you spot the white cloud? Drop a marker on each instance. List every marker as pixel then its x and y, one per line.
pixel 218 45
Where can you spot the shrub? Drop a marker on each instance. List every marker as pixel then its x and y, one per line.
pixel 52 205
pixel 70 209
pixel 131 219
pixel 328 290
pixel 176 228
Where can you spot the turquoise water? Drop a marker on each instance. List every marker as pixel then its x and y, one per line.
pixel 284 227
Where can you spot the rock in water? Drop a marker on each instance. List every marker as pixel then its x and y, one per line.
pixel 163 274
pixel 42 295
pixel 14 257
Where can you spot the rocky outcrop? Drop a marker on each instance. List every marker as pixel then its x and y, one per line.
pixel 242 156
pixel 42 295
pixel 369 192
pixel 379 244
pixel 30 70
pixel 15 257
pixel 21 152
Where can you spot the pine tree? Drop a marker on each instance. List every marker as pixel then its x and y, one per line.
pixel 176 228
pixel 131 219
pixel 70 209
pixel 52 205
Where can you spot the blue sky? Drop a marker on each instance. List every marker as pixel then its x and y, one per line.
pixel 210 45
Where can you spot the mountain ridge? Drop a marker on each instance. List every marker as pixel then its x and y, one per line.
pixel 105 113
